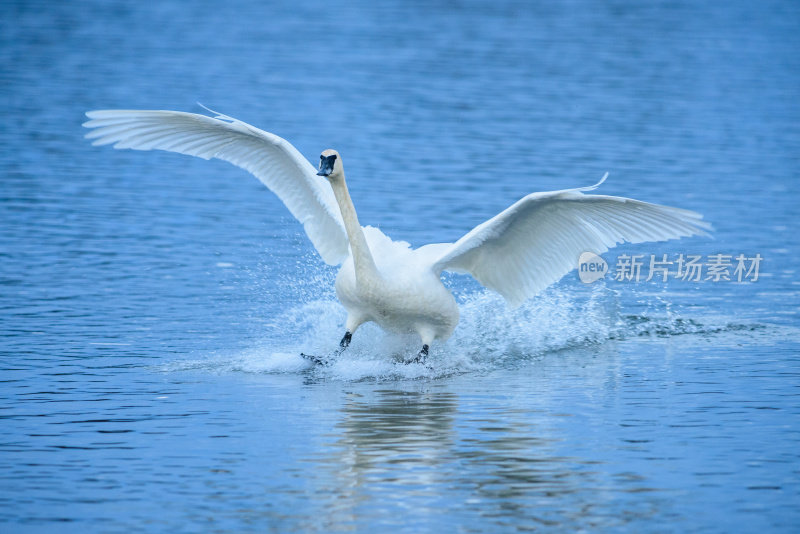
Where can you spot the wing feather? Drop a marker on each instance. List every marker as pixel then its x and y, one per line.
pixel 538 239
pixel 273 160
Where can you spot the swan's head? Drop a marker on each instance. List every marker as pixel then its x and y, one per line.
pixel 330 164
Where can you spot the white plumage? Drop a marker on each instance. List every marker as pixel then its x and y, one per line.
pixel 269 158
pixel 517 253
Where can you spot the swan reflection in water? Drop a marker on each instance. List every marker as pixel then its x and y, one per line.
pixel 395 447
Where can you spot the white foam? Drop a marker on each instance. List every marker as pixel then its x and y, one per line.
pixel 489 334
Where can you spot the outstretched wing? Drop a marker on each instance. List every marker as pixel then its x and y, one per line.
pixel 538 240
pixel 271 159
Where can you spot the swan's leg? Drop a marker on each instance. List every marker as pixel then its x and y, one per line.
pixel 327 360
pixel 344 343
pixel 421 355
pixel 427 335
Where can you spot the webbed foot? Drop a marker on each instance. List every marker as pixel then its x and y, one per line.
pixel 325 361
pixel 421 356
pixel 322 361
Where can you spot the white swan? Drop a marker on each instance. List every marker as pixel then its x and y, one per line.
pixel 517 253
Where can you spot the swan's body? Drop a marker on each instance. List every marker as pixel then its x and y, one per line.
pixel 518 253
pixel 407 296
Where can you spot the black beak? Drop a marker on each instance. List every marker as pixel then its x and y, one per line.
pixel 326 165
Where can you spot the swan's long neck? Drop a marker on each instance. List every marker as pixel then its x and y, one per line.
pixel 362 257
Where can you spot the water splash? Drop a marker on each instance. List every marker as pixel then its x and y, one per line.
pixel 489 335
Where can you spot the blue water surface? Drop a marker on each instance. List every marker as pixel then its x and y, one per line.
pixel 153 306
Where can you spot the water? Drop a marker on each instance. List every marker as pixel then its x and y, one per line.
pixel 153 306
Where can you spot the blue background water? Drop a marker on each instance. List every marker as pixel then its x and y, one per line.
pixel 153 306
